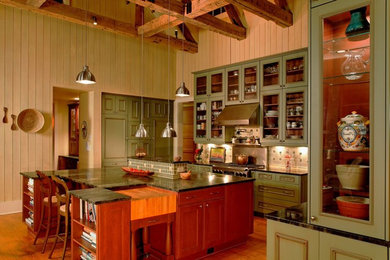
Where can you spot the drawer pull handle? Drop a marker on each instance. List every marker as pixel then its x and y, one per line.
pixel 214 193
pixel 152 221
pixel 189 197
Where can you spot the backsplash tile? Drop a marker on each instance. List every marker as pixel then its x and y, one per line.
pixel 277 157
pixel 160 169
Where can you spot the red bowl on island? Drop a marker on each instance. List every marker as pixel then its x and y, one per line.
pixel 137 172
pixel 353 206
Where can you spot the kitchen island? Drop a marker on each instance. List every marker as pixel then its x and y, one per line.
pixel 213 211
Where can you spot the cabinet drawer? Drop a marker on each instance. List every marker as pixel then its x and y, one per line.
pixel 200 195
pixel 267 205
pixel 264 176
pixel 284 193
pixel 287 178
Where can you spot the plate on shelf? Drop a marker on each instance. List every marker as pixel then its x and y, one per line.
pixel 137 172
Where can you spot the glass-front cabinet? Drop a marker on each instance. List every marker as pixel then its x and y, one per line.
pixel 209 84
pixel 242 84
pixel 284 119
pixel 201 83
pixel 206 112
pixel 348 104
pixel 216 85
pixel 284 71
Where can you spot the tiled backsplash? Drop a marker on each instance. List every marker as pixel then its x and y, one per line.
pixel 160 169
pixel 278 156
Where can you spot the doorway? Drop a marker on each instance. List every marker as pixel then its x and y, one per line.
pixel 66 128
pixel 188 131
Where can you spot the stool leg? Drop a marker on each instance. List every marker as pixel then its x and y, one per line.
pixel 168 240
pixel 133 246
pixel 66 236
pixel 57 234
pixel 48 224
pixel 40 222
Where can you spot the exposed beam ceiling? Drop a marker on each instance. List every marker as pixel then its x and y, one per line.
pixel 233 15
pixel 139 16
pixel 77 15
pixel 199 17
pixel 266 10
pixel 186 32
pixel 36 3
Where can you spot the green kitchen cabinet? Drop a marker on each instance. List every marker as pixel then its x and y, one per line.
pixel 135 108
pixel 283 118
pixel 114 139
pixel 114 104
pixel 209 84
pixel 159 109
pixel 206 111
pixel 242 84
pixel 284 71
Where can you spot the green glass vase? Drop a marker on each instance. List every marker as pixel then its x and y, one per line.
pixel 358 23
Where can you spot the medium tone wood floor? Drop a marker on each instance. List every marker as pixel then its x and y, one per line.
pixel 16 243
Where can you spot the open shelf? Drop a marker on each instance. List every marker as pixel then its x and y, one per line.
pixel 89 226
pixel 87 246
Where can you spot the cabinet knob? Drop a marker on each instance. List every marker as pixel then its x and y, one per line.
pixel 200 206
pixel 207 205
pixel 313 218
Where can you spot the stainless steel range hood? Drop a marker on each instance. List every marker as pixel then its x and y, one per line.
pixel 239 115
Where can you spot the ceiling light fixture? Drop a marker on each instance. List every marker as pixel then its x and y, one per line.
pixel 168 131
pixel 141 131
pixel 182 91
pixel 85 76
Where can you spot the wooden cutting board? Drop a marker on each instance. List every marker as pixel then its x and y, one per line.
pixel 150 202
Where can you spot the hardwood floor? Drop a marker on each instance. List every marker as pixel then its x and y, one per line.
pixel 16 243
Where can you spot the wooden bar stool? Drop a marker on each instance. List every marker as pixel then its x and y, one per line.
pixel 47 203
pixel 63 210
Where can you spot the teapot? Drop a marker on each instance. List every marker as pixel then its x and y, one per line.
pixel 353 132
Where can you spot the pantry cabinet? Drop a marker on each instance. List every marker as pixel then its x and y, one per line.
pixel 283 118
pixel 348 118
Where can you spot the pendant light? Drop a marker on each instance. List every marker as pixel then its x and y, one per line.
pixel 182 91
pixel 85 76
pixel 141 131
pixel 168 131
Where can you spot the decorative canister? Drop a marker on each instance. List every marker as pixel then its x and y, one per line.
pixel 353 132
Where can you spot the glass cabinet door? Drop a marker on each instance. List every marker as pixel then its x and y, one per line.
pixel 201 85
pixel 295 124
pixel 216 131
pixel 251 84
pixel 294 70
pixel 270 74
pixel 271 117
pixel 201 120
pixel 343 135
pixel 217 82
pixel 233 86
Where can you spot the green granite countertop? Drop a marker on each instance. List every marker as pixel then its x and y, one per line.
pixel 114 178
pixel 98 195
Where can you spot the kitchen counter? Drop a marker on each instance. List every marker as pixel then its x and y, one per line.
pixel 113 178
pixel 152 159
pixel 283 170
pixel 98 195
pixel 297 216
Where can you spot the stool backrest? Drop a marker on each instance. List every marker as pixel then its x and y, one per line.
pixel 62 192
pixel 46 185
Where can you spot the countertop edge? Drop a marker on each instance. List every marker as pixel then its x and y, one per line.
pixel 84 194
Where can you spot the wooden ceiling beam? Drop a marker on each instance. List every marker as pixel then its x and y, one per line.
pixel 35 3
pixel 161 6
pixel 233 15
pixel 199 17
pixel 139 16
pixel 282 4
pixel 77 15
pixel 186 32
pixel 266 10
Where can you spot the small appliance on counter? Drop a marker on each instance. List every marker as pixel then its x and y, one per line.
pixel 246 136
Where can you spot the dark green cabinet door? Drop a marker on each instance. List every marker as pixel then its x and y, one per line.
pixel 108 104
pixel 114 138
pixel 134 108
pixel 121 104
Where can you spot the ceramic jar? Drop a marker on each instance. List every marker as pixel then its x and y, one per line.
pixel 353 132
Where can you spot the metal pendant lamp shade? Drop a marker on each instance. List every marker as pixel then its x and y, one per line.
pixel 141 132
pixel 168 131
pixel 85 76
pixel 182 91
pixel 358 24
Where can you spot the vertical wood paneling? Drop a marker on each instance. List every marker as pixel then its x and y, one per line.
pixel 9 45
pixel 263 38
pixel 38 53
pixel 16 105
pixel 2 98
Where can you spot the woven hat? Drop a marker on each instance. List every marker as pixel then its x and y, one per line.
pixel 30 120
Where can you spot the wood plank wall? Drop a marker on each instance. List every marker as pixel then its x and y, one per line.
pixel 38 53
pixel 264 38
